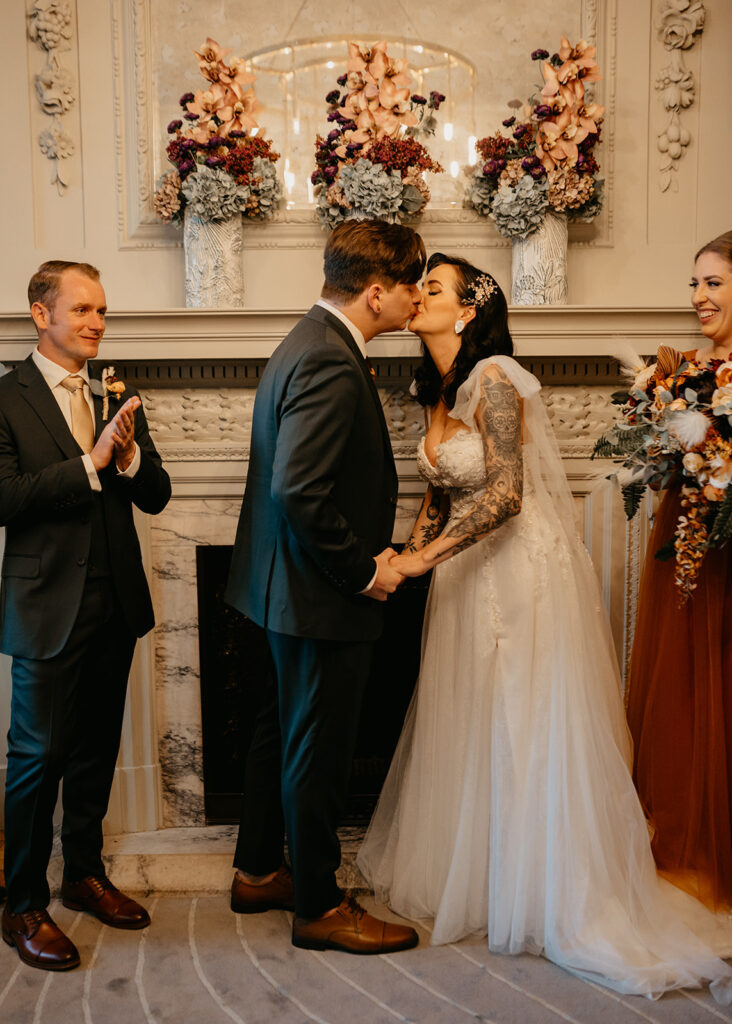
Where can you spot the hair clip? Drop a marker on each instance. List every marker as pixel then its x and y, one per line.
pixel 481 288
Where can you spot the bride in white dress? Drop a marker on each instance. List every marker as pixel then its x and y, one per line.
pixel 509 808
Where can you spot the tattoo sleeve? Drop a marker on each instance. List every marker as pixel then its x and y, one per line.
pixel 430 522
pixel 499 419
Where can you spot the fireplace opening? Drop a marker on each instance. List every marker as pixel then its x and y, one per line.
pixel 235 667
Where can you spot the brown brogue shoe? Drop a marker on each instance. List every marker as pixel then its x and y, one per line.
pixel 39 941
pixel 102 899
pixel 278 894
pixel 352 930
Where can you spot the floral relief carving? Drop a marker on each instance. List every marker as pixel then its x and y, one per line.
pixel 679 24
pixel 50 27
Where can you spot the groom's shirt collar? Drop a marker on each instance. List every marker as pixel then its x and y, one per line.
pixel 355 333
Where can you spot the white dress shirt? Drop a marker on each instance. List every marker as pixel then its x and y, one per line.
pixel 361 342
pixel 53 374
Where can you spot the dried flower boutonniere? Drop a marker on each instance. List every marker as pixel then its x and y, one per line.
pixel 111 386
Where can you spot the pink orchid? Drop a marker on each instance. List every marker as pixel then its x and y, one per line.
pixel 238 114
pixel 237 73
pixel 211 59
pixel 206 104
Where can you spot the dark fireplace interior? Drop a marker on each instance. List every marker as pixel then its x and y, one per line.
pixel 234 668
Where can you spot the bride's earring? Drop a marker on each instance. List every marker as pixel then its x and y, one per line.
pixel 459 326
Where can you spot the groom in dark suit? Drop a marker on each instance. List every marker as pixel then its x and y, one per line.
pixel 74 459
pixel 311 565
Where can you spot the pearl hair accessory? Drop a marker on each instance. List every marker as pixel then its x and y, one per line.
pixel 459 326
pixel 482 288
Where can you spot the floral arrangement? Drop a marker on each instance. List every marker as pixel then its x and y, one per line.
pixel 372 163
pixel 546 164
pixel 223 165
pixel 677 425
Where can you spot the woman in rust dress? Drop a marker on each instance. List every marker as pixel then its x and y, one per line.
pixel 680 687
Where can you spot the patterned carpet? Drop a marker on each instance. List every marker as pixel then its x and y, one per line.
pixel 200 964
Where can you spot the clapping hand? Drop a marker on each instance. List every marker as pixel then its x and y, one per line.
pixel 118 438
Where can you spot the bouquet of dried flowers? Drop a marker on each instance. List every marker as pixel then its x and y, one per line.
pixel 372 164
pixel 677 425
pixel 223 164
pixel 546 164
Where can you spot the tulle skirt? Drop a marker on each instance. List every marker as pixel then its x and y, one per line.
pixel 509 809
pixel 680 715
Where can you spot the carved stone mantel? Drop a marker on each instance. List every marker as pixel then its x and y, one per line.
pixel 184 334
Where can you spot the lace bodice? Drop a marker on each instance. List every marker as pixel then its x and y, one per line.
pixel 459 469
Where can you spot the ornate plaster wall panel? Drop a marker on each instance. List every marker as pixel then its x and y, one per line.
pixel 153 65
pixel 679 23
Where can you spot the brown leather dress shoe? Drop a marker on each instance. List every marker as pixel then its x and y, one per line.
pixel 278 894
pixel 104 901
pixel 39 941
pixel 352 930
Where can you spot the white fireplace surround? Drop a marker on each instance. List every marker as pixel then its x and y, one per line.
pixel 203 436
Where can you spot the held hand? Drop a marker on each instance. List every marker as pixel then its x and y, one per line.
pixel 387 578
pixel 416 563
pixel 118 436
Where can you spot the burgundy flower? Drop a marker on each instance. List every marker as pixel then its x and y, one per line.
pixel 330 172
pixel 491 169
pixel 188 144
pixel 174 126
pixel 236 134
pixel 419 100
pixel 436 98
pixel 186 167
pixel 333 96
pixel 537 172
pixel 186 98
pixel 342 79
pixel 334 115
pixel 214 161
pixel 542 111
pixel 520 132
pixel 191 117
pixel 214 142
pixel 508 122
pixel 315 177
pixel 540 55
pixel 333 135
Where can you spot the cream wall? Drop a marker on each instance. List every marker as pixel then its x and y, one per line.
pixel 640 254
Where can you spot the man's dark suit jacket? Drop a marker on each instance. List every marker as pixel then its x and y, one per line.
pixel 321 490
pixel 46 505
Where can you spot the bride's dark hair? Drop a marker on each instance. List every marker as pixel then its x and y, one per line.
pixel 486 335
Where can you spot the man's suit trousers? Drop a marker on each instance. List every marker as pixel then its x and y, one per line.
pixel 65 723
pixel 304 743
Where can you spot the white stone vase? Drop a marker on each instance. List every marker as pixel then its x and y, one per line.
pixel 539 265
pixel 213 256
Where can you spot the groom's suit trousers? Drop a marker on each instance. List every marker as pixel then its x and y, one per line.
pixel 65 722
pixel 303 742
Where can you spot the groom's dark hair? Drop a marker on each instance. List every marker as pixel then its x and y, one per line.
pixel 360 252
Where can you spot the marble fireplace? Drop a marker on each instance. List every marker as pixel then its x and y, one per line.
pixel 198 371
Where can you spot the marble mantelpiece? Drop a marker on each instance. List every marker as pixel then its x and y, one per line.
pixel 200 418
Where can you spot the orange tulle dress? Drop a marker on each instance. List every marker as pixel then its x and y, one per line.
pixel 679 702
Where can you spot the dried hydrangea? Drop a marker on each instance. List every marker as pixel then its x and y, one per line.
pixel 371 190
pixel 520 210
pixel 212 194
pixel 590 209
pixel 567 190
pixel 167 198
pixel 480 195
pixel 329 207
pixel 266 190
pixel 512 173
pixel 413 180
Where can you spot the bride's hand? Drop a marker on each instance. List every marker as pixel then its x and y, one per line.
pixel 411 564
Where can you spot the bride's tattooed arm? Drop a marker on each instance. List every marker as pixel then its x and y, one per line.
pixel 499 419
pixel 430 522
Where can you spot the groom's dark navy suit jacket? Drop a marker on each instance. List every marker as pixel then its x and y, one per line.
pixel 321 490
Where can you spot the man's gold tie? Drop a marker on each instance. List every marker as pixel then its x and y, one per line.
pixel 82 423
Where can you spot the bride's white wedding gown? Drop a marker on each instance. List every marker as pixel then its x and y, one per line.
pixel 509 809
